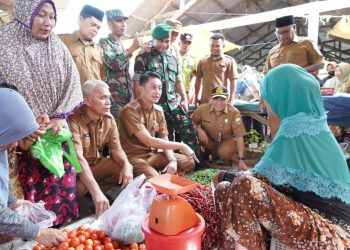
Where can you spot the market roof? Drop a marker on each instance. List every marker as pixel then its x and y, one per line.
pixel 255 37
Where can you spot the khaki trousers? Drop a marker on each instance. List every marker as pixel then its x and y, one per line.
pixel 106 173
pixel 225 149
pixel 150 164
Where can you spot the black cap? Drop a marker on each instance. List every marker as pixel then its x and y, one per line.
pixel 219 91
pixel 88 10
pixel 186 37
pixel 284 21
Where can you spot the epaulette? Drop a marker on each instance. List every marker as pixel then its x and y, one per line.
pixel 158 107
pixel 134 105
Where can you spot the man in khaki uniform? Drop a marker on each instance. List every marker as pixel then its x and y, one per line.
pixel 143 131
pixel 216 69
pixel 291 49
pixel 87 55
pixel 220 127
pixel 93 127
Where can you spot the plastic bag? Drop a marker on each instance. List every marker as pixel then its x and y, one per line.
pixel 48 150
pixel 37 214
pixel 123 220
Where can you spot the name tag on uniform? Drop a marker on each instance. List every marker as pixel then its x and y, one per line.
pixel 238 120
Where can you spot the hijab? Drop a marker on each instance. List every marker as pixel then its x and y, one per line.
pixel 304 154
pixel 17 121
pixel 341 84
pixel 42 70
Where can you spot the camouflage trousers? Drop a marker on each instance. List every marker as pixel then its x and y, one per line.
pixel 178 120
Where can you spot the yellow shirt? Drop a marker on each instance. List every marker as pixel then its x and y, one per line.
pixel 88 57
pixel 189 68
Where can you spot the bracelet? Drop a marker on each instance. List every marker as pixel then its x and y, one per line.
pixel 240 158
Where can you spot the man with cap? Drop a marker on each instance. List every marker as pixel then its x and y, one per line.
pixel 159 60
pixel 87 55
pixel 175 31
pixel 117 60
pixel 291 49
pixel 217 68
pixel 188 64
pixel 220 127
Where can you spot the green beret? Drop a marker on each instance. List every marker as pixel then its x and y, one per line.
pixel 161 31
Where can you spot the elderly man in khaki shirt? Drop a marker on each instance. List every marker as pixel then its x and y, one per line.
pixel 87 55
pixel 291 49
pixel 93 127
pixel 143 132
pixel 216 69
pixel 220 127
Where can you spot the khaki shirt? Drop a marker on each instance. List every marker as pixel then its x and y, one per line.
pixel 215 71
pixel 221 126
pixel 301 51
pixel 90 136
pixel 87 56
pixel 133 118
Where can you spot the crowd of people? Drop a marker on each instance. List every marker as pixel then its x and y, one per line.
pixel 125 125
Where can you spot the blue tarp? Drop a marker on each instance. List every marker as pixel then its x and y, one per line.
pixel 338 108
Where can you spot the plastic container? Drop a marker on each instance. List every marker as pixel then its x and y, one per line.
pixel 190 239
pixel 172 184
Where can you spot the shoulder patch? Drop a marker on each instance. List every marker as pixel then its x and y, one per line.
pixel 134 105
pixel 158 107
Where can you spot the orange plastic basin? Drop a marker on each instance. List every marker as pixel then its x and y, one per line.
pixel 172 184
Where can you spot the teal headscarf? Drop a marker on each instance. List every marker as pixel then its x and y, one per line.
pixel 304 154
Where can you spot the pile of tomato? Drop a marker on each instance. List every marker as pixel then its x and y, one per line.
pixel 89 239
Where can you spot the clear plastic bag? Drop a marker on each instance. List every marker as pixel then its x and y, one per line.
pixel 36 213
pixel 122 221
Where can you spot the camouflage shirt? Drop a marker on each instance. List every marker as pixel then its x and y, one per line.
pixel 167 67
pixel 116 60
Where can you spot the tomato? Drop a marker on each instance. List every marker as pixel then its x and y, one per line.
pixel 93 236
pixel 101 235
pixel 108 246
pixel 79 248
pixel 98 248
pixel 87 235
pixel 74 242
pixel 134 246
pixel 88 247
pixel 71 248
pixel 115 244
pixel 107 240
pixel 89 242
pixel 97 243
pixel 142 247
pixel 81 239
pixel 72 235
pixel 89 230
pixel 126 248
pixel 37 247
pixel 63 245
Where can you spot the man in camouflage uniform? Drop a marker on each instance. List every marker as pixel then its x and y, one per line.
pixel 117 60
pixel 159 60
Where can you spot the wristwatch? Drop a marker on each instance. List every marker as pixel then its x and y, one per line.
pixel 240 158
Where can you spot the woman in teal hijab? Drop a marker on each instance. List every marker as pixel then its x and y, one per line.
pixel 299 192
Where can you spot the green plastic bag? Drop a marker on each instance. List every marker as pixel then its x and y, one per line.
pixel 48 150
